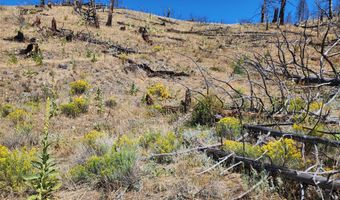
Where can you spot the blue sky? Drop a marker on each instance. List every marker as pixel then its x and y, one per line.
pixel 226 11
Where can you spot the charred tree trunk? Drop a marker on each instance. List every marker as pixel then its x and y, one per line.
pixel 96 20
pixel 37 21
pixel 330 9
pixel 109 18
pixel 256 130
pixel 148 100
pixel 19 37
pixel 187 101
pixel 282 12
pixel 276 13
pixel 263 11
pixel 54 25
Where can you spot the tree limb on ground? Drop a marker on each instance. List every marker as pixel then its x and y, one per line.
pixel 295 175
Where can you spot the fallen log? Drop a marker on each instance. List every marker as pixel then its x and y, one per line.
pixel 301 138
pixel 18 38
pixel 167 20
pixel 112 47
pixel 316 80
pixel 152 73
pixel 295 175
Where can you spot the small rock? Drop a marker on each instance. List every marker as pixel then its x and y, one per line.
pixel 63 66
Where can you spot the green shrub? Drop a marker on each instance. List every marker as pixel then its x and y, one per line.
pixel 113 169
pixel 148 139
pixel 14 167
pixel 100 101
pixel 6 109
pixel 237 66
pixel 77 106
pixel 79 87
pixel 296 105
pixel 94 58
pixel 205 110
pixel 133 89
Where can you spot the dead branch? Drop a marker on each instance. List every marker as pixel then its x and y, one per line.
pixel 152 73
pixel 295 175
pixel 301 138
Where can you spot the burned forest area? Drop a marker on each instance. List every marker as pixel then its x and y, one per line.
pixel 110 103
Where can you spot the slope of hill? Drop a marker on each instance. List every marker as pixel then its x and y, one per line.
pixel 131 79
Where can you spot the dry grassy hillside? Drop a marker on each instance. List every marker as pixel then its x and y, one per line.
pixel 112 86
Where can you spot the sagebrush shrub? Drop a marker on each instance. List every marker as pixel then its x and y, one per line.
pixel 113 169
pixel 79 87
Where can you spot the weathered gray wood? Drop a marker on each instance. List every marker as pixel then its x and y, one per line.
pixel 291 174
pixel 301 138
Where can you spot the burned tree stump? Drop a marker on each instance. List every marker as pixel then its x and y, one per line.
pixel 96 22
pixel 49 5
pixel 187 101
pixel 19 37
pixel 37 21
pixel 31 47
pixel 275 18
pixel 54 25
pixel 148 100
pixel 69 37
pixel 28 49
pixel 145 35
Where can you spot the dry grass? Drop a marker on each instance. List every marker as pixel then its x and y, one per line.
pixel 23 81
